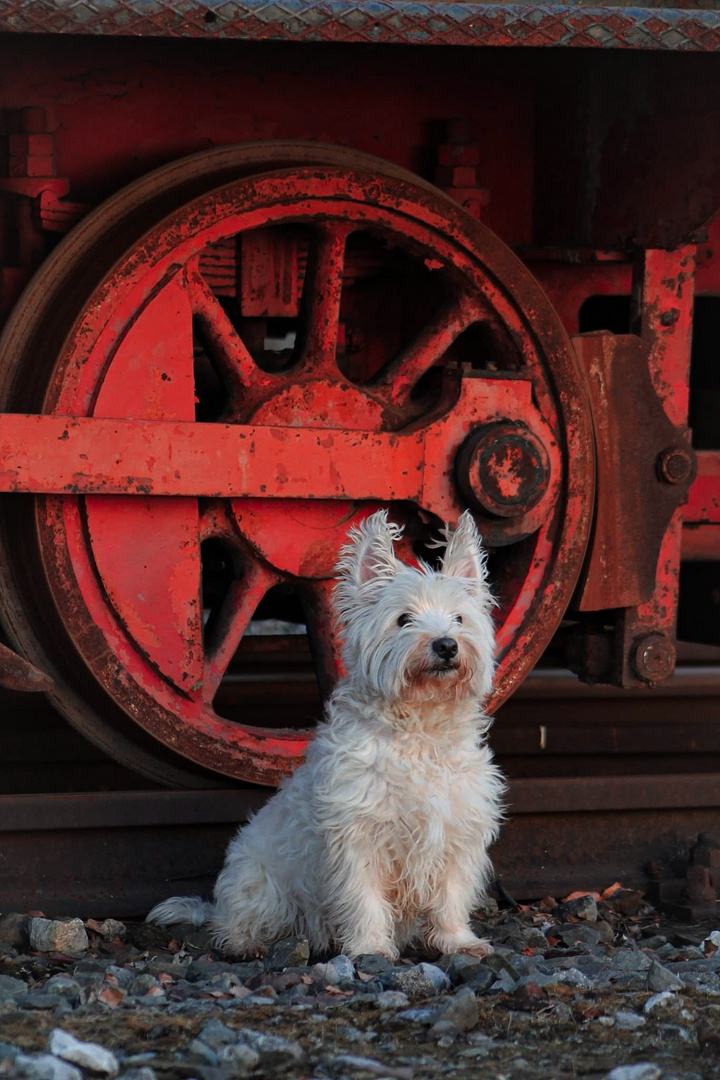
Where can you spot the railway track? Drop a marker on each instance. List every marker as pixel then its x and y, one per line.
pixel 601 783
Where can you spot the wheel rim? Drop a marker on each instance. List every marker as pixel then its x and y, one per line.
pixel 137 623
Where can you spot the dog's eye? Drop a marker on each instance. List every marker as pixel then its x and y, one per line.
pixel 403 620
pixel 458 618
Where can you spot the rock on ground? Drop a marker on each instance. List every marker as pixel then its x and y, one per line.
pixel 61 936
pixel 85 1054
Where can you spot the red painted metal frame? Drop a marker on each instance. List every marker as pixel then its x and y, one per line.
pixel 60 455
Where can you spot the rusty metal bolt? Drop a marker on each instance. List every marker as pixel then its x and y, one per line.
pixel 676 465
pixel 503 469
pixel 653 657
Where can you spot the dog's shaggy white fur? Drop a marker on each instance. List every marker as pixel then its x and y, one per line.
pixel 382 835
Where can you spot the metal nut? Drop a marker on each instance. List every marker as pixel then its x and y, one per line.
pixel 503 469
pixel 653 657
pixel 676 464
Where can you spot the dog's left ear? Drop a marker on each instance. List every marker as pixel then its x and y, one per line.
pixel 464 556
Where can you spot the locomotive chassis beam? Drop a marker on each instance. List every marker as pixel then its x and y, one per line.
pixel 583 831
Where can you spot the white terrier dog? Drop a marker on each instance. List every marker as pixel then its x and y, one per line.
pixel 382 835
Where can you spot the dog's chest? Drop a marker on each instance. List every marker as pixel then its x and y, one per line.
pixel 423 806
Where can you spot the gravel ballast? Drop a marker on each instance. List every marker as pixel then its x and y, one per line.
pixel 598 987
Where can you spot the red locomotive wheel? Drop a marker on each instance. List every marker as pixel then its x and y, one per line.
pixel 316 300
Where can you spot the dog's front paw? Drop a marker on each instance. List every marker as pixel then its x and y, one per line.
pixel 368 948
pixel 480 948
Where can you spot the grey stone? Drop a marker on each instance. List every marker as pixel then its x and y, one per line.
pixel 583 907
pixel 391 999
pixel 427 1014
pixel 663 1000
pixel 64 986
pixel 459 967
pixel 568 977
pixel 678 1030
pixel 504 983
pixel 225 983
pixel 355 1035
pixel 111 928
pixel 344 966
pixel 372 964
pixel 461 1011
pixel 659 978
pixel 631 960
pixel 200 1053
pixel 335 971
pixel 419 979
pixel 38 999
pixel 141 985
pixel 498 963
pixel 642 1071
pixel 294 952
pixel 656 941
pixel 274 1050
pixel 574 933
pixel 692 953
pixel 55 935
pixel 482 979
pixel 45 1067
pixel 143 1073
pixel 14 929
pixel 241 1059
pixel 605 930
pixel 628 1021
pixel 8 1051
pixel 9 987
pixel 123 976
pixel 533 938
pixel 87 1055
pixel 706 981
pixel 347 1064
pixel 93 965
pixel 215 1033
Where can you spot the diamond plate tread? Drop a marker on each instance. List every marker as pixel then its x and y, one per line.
pixel 388 21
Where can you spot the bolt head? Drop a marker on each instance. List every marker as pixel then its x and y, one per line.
pixel 676 465
pixel 653 657
pixel 503 469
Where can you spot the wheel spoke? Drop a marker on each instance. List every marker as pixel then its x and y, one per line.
pixel 244 378
pixel 324 643
pixel 237 610
pixel 322 291
pixel 401 374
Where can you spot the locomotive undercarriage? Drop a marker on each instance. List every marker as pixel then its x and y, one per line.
pixel 344 274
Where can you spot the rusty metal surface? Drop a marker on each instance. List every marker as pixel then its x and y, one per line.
pixel 117 854
pixel 633 436
pixel 17 674
pixel 392 21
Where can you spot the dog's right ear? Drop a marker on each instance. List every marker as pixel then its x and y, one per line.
pixel 368 559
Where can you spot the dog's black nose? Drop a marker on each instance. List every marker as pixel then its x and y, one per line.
pixel 445 647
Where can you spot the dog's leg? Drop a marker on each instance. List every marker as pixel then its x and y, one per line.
pixel 370 928
pixel 361 916
pixel 448 917
pixel 252 909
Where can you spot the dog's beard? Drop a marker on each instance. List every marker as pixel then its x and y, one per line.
pixel 428 676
